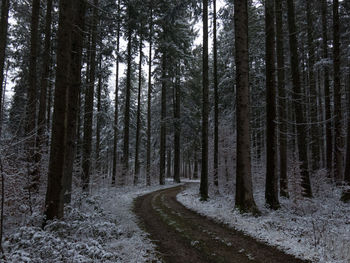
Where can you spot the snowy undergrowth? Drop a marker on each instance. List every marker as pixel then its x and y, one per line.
pixel 316 229
pixel 99 228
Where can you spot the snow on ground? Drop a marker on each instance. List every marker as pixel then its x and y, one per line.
pixel 98 228
pixel 316 229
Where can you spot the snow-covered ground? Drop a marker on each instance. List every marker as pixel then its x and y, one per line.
pixel 99 228
pixel 316 229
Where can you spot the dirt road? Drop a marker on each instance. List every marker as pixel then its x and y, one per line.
pixel 183 236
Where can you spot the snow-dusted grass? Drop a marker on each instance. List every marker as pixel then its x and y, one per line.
pixel 98 228
pixel 316 229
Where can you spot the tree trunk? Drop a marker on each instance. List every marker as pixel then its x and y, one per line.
pixel 149 101
pixel 55 190
pixel 244 187
pixel 177 134
pixel 116 103
pixel 30 128
pixel 40 137
pixel 216 102
pixel 5 5
pixel 312 84
pixel 125 171
pixel 79 8
pixel 297 98
pixel 338 133
pixel 98 118
pixel 163 123
pixel 282 107
pixel 205 101
pixel 168 162
pixel 138 118
pixel 89 104
pixel 329 142
pixel 271 190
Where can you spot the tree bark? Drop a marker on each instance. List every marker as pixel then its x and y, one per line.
pixel 271 190
pixel 298 99
pixel 125 171
pixel 329 142
pixel 116 103
pixel 177 134
pixel 205 101
pixel 98 118
pixel 5 5
pixel 163 122
pixel 216 101
pixel 138 118
pixel 89 104
pixel 55 189
pixel 312 86
pixel 149 100
pixel 282 105
pixel 244 188
pixel 30 127
pixel 338 133
pixel 79 8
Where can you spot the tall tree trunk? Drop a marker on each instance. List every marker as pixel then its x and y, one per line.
pixel 177 133
pixel 79 8
pixel 168 162
pixel 89 104
pixel 338 133
pixel 31 96
pixel 163 122
pixel 55 190
pixel 271 190
pixel 298 98
pixel 282 107
pixel 244 186
pixel 205 101
pixel 149 100
pixel 98 118
pixel 138 118
pixel 125 171
pixel 329 142
pixel 116 103
pixel 40 137
pixel 312 84
pixel 216 102
pixel 5 5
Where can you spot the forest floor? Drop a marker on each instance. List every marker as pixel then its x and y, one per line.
pixel 182 235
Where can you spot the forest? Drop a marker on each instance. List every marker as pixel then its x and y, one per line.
pixel 121 120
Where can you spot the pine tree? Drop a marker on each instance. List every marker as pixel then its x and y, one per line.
pixel 297 98
pixel 205 102
pixel 271 191
pixel 244 187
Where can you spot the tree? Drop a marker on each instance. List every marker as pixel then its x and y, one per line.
pixel 205 102
pixel 138 117
pixel 282 111
pixel 89 103
pixel 55 190
pixel 216 100
pixel 271 191
pixel 5 5
pixel 177 127
pixel 116 102
pixel 338 134
pixel 149 98
pixel 297 98
pixel 40 137
pixel 315 153
pixel 244 187
pixel 30 125
pixel 328 113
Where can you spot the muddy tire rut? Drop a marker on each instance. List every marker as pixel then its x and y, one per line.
pixel 183 236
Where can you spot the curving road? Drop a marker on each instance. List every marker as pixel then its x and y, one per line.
pixel 183 236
